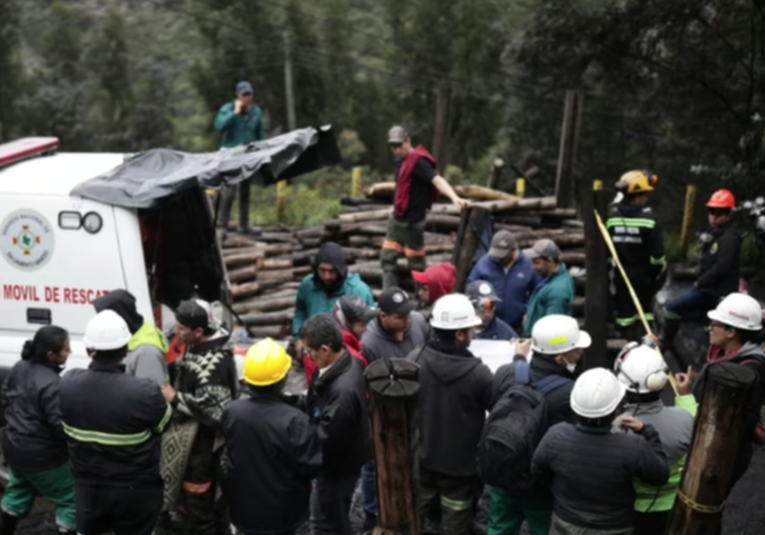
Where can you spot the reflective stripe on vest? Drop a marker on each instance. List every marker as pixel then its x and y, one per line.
pixel 630 222
pixel 165 419
pixel 107 439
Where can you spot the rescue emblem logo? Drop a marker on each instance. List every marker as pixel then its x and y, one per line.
pixel 26 239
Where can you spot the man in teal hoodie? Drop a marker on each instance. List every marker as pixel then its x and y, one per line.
pixel 554 294
pixel 329 281
pixel 241 122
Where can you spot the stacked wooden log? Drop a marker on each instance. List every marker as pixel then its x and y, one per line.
pixel 266 271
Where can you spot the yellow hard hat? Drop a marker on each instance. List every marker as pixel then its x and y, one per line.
pixel 637 182
pixel 266 363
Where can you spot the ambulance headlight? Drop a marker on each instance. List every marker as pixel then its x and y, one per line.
pixel 92 222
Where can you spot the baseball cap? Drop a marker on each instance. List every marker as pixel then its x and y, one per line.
pixel 397 134
pixel 243 87
pixel 482 290
pixel 543 249
pixel 354 309
pixel 502 244
pixel 194 314
pixel 394 300
pixel 420 277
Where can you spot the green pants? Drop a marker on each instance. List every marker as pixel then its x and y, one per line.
pixel 456 495
pixel 508 513
pixel 56 484
pixel 403 238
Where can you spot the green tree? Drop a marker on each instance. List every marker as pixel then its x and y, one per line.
pixel 10 68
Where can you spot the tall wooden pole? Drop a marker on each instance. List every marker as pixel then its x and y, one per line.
pixel 717 439
pixel 393 401
pixel 569 144
pixel 596 288
pixel 472 225
pixel 685 235
pixel 289 96
pixel 440 138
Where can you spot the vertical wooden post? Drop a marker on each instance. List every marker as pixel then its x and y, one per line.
pixel 496 173
pixel 685 235
pixel 520 187
pixel 569 143
pixel 281 200
pixel 596 289
pixel 357 175
pixel 717 438
pixel 393 400
pixel 472 225
pixel 440 138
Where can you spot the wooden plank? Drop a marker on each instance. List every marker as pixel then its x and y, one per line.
pixel 597 281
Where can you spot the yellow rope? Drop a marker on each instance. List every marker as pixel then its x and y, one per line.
pixel 696 506
pixel 635 300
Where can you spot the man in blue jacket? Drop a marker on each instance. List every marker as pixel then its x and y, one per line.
pixel 241 122
pixel 511 274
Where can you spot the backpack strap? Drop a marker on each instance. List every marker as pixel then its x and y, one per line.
pixel 551 383
pixel 521 373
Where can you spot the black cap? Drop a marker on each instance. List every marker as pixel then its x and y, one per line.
pixel 194 314
pixel 481 289
pixel 394 300
pixel 354 309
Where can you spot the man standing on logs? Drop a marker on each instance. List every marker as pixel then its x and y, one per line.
pixel 454 397
pixel 417 186
pixel 636 235
pixel 337 405
pixel 511 274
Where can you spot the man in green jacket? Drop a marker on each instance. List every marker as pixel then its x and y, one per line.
pixel 240 122
pixel 555 292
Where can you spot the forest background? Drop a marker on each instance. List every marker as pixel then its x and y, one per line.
pixel 676 87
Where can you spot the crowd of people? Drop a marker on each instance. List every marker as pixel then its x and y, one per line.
pixel 139 439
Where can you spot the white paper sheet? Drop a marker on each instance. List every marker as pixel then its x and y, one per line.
pixel 493 353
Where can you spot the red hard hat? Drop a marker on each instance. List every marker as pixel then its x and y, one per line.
pixel 722 199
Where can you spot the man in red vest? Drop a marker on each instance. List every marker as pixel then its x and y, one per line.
pixel 417 186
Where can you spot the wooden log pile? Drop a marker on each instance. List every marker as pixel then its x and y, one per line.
pixel 265 271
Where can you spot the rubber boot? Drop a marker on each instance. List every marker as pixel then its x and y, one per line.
pixel 8 524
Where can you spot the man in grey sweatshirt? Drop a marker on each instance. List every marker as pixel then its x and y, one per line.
pixel 397 330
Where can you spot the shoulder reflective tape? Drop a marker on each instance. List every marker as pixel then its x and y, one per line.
pixel 165 419
pixel 658 261
pixel 630 222
pixel 107 439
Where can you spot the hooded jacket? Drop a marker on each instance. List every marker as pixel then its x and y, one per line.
pixel 442 279
pixel 314 297
pixel 553 295
pixel 147 348
pixel 455 394
pixel 513 286
pixel 33 437
pixel 377 343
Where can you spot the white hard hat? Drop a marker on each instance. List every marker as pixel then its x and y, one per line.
pixel 596 393
pixel 106 331
pixel 740 311
pixel 556 334
pixel 454 312
pixel 641 369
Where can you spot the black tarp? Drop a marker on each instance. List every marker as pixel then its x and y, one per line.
pixel 147 178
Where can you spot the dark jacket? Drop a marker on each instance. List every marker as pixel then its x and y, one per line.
pixel 553 295
pixel 113 421
pixel 239 129
pixel 337 405
pixel 497 330
pixel 273 454
pixel 718 272
pixel 455 394
pixel 377 343
pixel 558 401
pixel 315 297
pixel 33 438
pixel 636 234
pixel 592 472
pixel 513 287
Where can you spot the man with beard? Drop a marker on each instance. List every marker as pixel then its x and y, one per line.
pixel 329 281
pixel 205 384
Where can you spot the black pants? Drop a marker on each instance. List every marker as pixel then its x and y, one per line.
pixel 227 203
pixel 651 523
pixel 206 516
pixel 456 496
pixel 330 503
pixel 132 510
pixel 627 317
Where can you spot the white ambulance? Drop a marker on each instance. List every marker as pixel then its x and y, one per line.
pixel 61 252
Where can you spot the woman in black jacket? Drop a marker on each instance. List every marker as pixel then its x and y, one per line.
pixel 34 443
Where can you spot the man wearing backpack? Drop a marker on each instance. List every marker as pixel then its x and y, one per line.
pixel 508 441
pixel 455 393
